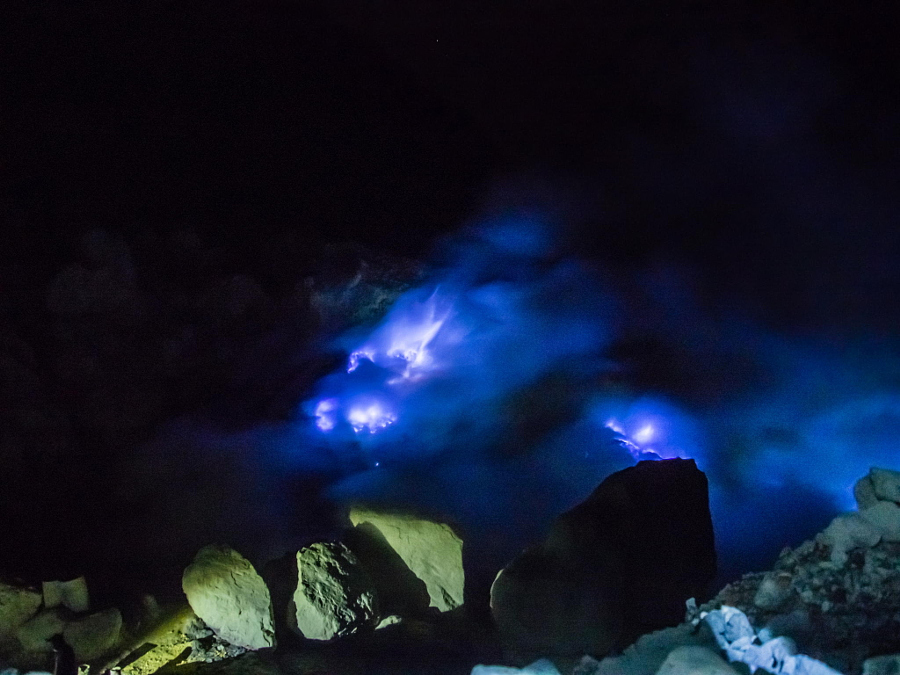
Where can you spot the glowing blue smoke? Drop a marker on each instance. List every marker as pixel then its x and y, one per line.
pixel 445 364
pixel 498 373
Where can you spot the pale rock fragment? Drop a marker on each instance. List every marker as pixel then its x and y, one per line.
pixel 885 518
pixel 71 594
pixel 882 665
pixel 846 532
pixel 35 634
pixel 695 660
pixel 886 484
pixel 18 604
pixel 225 591
pixel 430 549
pixel 95 635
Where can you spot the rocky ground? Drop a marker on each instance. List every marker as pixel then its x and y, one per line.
pixel 389 598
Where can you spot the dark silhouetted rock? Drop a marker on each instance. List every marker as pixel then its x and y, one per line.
pixel 619 564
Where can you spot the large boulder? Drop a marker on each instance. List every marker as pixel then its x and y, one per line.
pixel 430 550
pixel 34 635
pixel 225 591
pixel 544 604
pixel 95 635
pixel 18 604
pixel 618 565
pixel 334 595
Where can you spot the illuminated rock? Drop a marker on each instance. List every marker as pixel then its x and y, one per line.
pixel 18 604
pixel 95 635
pixel 225 591
pixel 847 532
pixel 540 667
pixel 646 656
pixel 71 594
pixel 882 665
pixel 885 518
pixel 886 484
pixel 334 595
pixel 864 493
pixel 432 551
pixel 774 591
pixel 34 635
pixel 880 485
pixel 695 661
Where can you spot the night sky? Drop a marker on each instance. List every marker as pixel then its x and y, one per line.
pixel 754 141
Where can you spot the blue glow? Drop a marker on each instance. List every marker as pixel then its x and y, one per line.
pixel 650 427
pixel 325 414
pixel 496 374
pixel 368 413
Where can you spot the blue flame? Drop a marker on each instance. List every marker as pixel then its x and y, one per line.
pixel 499 368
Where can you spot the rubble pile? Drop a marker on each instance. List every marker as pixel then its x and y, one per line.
pixel 838 596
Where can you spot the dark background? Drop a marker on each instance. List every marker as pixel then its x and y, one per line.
pixel 753 140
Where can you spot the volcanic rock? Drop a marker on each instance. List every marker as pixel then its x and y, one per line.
pixel 774 591
pixel 864 493
pixel 649 652
pixel 334 595
pixel 657 514
pixel 844 601
pixel 882 665
pixel 95 635
pixel 548 605
pixel 18 604
pixel 225 591
pixel 430 550
pixel 847 532
pixel 35 634
pixel 885 518
pixel 886 484
pixel 539 667
pixel 695 661
pixel 619 564
pixel 72 594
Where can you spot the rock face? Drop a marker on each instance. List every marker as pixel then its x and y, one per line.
pixel 553 606
pixel 225 591
pixel 34 635
pixel 18 604
pixel 432 551
pixel 334 595
pixel 95 635
pixel 71 594
pixel 879 485
pixel 619 564
pixel 837 597
pixel 695 661
pixel 878 518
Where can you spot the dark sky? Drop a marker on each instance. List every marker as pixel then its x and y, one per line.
pixel 754 142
